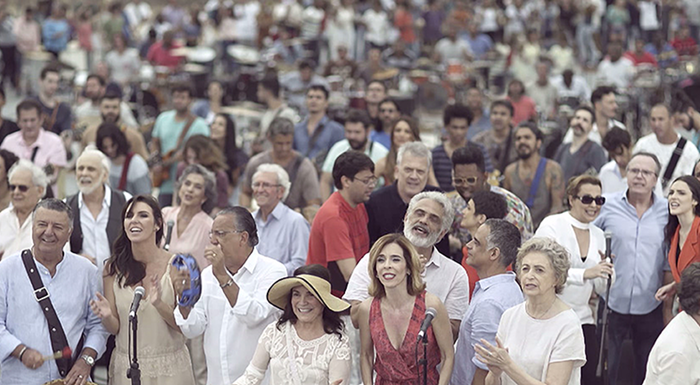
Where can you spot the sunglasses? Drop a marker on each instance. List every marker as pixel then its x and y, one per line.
pixel 587 199
pixel 21 187
pixel 463 181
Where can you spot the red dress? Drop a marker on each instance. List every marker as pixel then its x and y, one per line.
pixel 398 367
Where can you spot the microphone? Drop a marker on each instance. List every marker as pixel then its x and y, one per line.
pixel 168 234
pixel 139 292
pixel 430 313
pixel 608 241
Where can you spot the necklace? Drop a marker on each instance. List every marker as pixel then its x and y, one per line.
pixel 545 312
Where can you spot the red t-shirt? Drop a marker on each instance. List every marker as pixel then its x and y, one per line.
pixel 524 109
pixel 162 57
pixel 685 47
pixel 338 232
pixel 645 58
pixel 471 272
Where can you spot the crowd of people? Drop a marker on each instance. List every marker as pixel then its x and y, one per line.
pixel 325 230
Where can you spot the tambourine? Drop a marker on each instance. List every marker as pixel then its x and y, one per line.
pixel 191 295
pixel 63 382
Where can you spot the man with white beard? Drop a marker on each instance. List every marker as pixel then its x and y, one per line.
pixel 428 219
pixel 97 208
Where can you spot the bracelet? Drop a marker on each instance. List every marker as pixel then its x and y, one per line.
pixel 227 284
pixel 21 353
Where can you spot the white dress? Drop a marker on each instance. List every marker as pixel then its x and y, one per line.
pixel 341 31
pixel 534 344
pixel 321 361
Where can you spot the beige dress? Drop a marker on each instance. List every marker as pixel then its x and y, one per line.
pixel 163 357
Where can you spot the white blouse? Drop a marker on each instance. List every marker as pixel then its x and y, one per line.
pixel 320 361
pixel 560 227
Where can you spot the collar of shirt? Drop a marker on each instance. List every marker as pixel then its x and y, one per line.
pixel 106 201
pixel 44 270
pixel 486 283
pixel 435 258
pixel 276 213
pixel 248 266
pixel 36 142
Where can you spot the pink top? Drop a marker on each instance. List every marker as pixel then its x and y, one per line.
pixel 84 31
pixel 524 109
pixel 27 34
pixel 160 56
pixel 194 239
pixel 51 150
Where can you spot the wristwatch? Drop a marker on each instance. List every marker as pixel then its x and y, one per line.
pixel 90 361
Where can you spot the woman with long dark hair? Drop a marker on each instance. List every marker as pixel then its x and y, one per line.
pixel 307 344
pixel 223 132
pixel 390 320
pixel 682 231
pixel 138 261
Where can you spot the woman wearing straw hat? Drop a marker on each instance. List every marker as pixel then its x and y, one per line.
pixel 307 345
pixel 391 318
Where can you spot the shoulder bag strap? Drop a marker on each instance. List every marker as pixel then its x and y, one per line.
pixel 52 119
pixel 295 168
pixel 125 171
pixel 42 296
pixel 181 138
pixel 314 138
pixel 536 182
pixel 34 151
pixel 677 152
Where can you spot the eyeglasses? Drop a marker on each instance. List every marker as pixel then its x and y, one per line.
pixel 222 233
pixel 645 173
pixel 463 181
pixel 264 185
pixel 21 187
pixel 587 199
pixel 369 181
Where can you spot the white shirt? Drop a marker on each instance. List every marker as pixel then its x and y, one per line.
pixel 611 178
pixel 231 333
pixel 648 18
pixel 673 359
pixel 453 50
pixel 137 13
pixel 377 26
pixel 95 240
pixel 124 67
pixel 618 74
pixel 579 87
pixel 87 110
pixel 685 164
pixel 443 278
pixel 577 292
pixel 14 237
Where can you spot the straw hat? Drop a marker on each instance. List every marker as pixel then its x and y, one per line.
pixel 278 295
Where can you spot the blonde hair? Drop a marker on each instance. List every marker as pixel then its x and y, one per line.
pixel 414 282
pixel 557 254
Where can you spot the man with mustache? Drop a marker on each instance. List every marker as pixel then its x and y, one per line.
pixel 582 154
pixel 357 125
pixel 428 219
pixel 97 208
pixel 538 181
pixel 89 112
pixel 605 105
pixel 111 112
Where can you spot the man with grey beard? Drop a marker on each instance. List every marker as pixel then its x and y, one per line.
pixel 97 208
pixel 428 219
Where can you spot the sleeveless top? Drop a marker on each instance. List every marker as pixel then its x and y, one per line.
pixel 163 356
pixel 397 367
pixel 543 199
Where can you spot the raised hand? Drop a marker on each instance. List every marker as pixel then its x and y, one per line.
pixel 156 290
pixel 101 307
pixel 180 279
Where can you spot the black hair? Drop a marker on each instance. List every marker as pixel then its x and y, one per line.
pixel 318 87
pixel 532 127
pixel 503 103
pixel 28 104
pixel 601 91
pixel 392 101
pixel 583 107
pixel 358 116
pixel 110 95
pixel 469 154
pixel 672 224
pixel 10 158
pixel 490 204
pixel 182 87
pixel 376 81
pixel 242 221
pixel 2 93
pixel 112 131
pixel 271 83
pixel 616 138
pixel 332 324
pixel 122 265
pixel 348 164
pixel 230 149
pixel 48 69
pixel 506 237
pixel 457 111
pixel 99 79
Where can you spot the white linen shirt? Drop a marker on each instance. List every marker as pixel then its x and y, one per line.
pixel 578 290
pixel 14 237
pixel 673 359
pixel 443 278
pixel 231 333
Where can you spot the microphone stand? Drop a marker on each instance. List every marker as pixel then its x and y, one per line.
pixel 602 354
pixel 424 361
pixel 134 373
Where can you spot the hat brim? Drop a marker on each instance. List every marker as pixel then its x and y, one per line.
pixel 278 295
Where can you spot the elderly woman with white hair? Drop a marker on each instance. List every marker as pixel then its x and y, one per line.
pixel 27 184
pixel 540 340
pixel 283 232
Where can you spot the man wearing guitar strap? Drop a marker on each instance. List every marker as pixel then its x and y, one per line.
pixel 171 130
